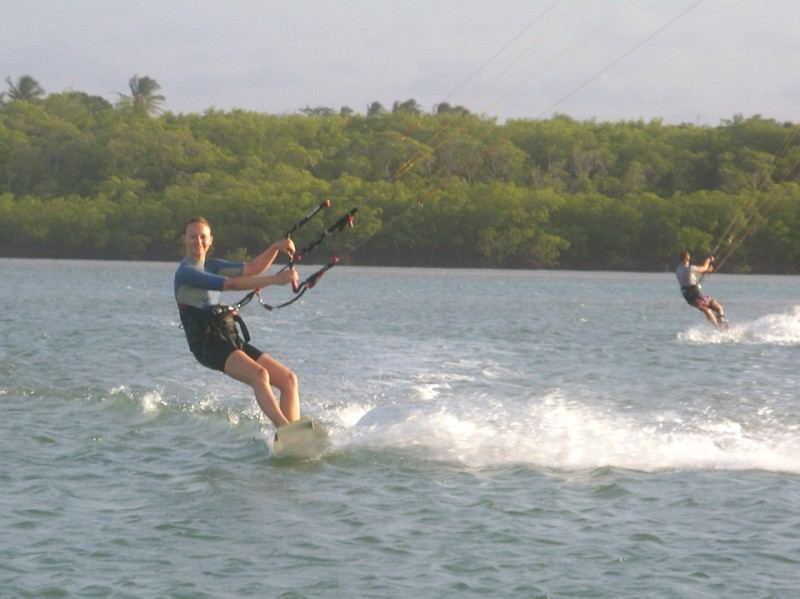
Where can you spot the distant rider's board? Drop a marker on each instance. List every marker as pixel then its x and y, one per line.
pixel 303 439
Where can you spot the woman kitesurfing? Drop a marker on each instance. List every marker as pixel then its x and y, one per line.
pixel 211 328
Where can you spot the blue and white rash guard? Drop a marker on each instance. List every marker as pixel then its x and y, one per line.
pixel 199 284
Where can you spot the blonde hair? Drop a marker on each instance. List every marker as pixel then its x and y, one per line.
pixel 196 220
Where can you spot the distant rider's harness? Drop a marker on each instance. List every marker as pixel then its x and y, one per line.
pixel 691 293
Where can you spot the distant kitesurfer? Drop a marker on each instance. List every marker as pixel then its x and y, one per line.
pixel 690 287
pixel 211 328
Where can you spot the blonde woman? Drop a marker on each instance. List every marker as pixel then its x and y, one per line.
pixel 211 328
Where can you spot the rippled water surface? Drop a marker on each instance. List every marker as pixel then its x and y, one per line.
pixel 506 434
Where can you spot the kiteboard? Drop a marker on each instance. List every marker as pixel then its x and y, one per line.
pixel 302 439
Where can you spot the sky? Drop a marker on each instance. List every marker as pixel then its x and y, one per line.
pixel 698 61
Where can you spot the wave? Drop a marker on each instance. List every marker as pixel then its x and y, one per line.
pixel 158 405
pixel 553 432
pixel 557 433
pixel 773 329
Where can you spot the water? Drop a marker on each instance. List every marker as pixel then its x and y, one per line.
pixel 504 434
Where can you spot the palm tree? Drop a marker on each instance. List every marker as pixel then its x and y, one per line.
pixel 446 107
pixel 375 109
pixel 26 89
pixel 409 105
pixel 143 99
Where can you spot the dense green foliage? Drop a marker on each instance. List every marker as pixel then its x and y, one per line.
pixel 80 177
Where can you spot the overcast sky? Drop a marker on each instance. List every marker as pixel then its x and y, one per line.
pixel 503 58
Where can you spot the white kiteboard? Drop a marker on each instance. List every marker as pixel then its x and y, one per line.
pixel 305 438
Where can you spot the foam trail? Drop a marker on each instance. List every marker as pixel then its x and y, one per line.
pixel 151 403
pixel 773 329
pixel 561 434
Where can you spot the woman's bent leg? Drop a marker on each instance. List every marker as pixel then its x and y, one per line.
pixel 284 378
pixel 243 368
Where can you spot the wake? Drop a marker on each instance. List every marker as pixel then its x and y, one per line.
pixel 772 329
pixel 559 433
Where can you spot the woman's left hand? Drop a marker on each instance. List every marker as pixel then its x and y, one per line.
pixel 286 246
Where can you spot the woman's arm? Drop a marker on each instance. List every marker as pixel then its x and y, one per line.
pixel 265 259
pixel 247 282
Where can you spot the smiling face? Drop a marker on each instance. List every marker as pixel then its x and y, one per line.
pixel 197 239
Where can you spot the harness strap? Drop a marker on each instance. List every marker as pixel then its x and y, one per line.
pixel 240 321
pixel 691 293
pixel 217 314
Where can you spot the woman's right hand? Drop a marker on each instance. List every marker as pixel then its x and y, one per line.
pixel 286 277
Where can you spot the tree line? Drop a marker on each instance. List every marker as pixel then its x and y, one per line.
pixel 81 177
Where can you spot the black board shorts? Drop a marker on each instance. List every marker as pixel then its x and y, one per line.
pixel 214 354
pixel 212 339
